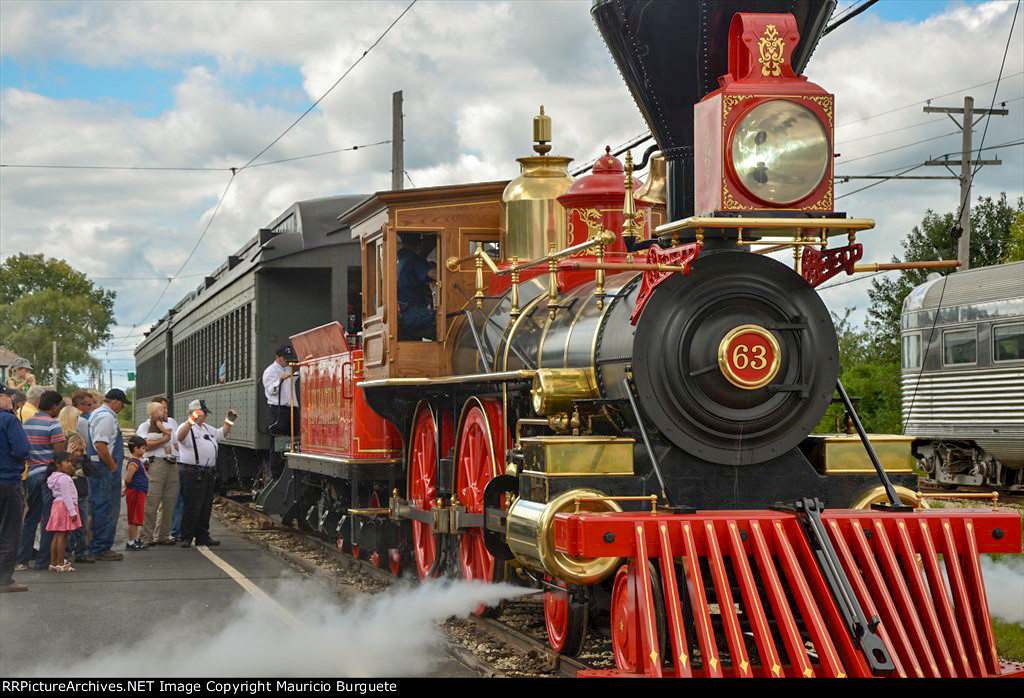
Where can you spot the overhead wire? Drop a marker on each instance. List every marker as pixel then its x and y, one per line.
pixel 252 160
pixel 329 89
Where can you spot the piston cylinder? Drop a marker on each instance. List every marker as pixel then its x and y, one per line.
pixel 530 536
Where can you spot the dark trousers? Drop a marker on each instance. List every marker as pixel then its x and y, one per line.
pixel 11 509
pixel 40 499
pixel 197 485
pixel 279 423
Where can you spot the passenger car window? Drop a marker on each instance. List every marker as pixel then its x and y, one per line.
pixel 959 347
pixel 912 350
pixel 1008 342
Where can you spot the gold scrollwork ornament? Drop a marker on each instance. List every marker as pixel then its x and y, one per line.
pixel 772 48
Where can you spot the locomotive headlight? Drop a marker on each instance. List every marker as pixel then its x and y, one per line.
pixel 780 152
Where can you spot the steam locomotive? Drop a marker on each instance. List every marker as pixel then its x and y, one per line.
pixel 612 393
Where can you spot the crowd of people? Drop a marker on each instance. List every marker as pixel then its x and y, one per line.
pixel 65 466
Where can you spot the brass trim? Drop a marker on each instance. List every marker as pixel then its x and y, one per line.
pixel 372 511
pixel 764 223
pixel 726 368
pixel 502 377
pixel 878 495
pixel 994 496
pixel 343 461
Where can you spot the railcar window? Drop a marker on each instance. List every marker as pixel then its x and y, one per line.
pixel 959 347
pixel 912 350
pixel 1008 342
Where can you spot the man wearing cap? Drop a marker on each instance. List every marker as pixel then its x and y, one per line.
pixel 14 449
pixel 21 377
pixel 282 402
pixel 198 443
pixel 106 453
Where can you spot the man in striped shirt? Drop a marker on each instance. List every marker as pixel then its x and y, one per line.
pixel 46 441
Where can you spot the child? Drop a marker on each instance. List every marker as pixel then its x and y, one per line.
pixel 64 514
pixel 78 542
pixel 136 485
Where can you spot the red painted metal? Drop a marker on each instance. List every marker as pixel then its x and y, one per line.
pixel 799 664
pixel 681 256
pixel 818 266
pixel 749 84
pixel 624 622
pixel 334 415
pixel 422 485
pixel 480 441
pixel 556 617
pixel 726 608
pixel 645 603
pixel 890 559
pixel 673 608
pixel 861 591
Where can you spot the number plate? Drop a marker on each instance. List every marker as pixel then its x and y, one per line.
pixel 748 357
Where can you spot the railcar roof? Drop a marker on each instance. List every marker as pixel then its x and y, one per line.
pixel 979 285
pixel 302 226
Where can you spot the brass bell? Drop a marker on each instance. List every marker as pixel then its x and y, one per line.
pixel 654 189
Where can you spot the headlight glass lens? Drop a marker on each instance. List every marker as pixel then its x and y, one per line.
pixel 780 151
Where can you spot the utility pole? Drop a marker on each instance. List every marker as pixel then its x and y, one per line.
pixel 966 126
pixel 111 379
pixel 397 142
pixel 55 380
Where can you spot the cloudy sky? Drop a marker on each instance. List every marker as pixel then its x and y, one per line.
pixel 209 85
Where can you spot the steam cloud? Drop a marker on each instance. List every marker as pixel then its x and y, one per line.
pixel 1004 587
pixel 392 634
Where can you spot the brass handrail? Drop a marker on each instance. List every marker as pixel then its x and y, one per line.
pixel 652 498
pixel 700 222
pixel 604 238
pixel 994 496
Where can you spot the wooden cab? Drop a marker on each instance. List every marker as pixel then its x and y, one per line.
pixel 443 222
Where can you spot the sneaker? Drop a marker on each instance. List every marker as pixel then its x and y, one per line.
pixel 186 543
pixel 109 555
pixel 209 542
pixel 135 545
pixel 20 567
pixel 84 558
pixel 166 541
pixel 12 587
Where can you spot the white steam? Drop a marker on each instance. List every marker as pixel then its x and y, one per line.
pixel 392 634
pixel 1004 587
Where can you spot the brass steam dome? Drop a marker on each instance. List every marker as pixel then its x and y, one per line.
pixel 533 217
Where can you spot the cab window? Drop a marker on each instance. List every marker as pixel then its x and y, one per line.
pixel 416 279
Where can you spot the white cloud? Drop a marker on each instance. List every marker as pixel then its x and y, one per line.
pixel 472 74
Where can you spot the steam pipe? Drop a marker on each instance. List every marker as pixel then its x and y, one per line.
pixel 628 385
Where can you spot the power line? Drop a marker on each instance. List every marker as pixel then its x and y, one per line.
pixel 883 133
pixel 924 101
pixel 847 16
pixel 901 147
pixel 170 279
pixel 336 83
pixel 881 181
pixel 133 168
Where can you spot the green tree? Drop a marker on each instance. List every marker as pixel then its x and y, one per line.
pixel 1015 246
pixel 44 300
pixel 991 243
pixel 873 384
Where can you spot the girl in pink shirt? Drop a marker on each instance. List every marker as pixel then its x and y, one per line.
pixel 64 514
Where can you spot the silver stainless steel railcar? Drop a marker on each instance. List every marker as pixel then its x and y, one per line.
pixel 301 271
pixel 963 376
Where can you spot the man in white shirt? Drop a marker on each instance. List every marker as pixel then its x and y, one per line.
pixel 161 455
pixel 282 402
pixel 198 444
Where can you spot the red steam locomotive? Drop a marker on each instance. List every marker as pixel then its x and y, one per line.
pixel 609 393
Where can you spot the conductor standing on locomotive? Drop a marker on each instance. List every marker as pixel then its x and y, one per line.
pixel 198 444
pixel 282 402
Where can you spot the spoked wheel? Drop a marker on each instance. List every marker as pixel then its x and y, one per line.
pixel 626 641
pixel 565 620
pixel 423 481
pixel 395 561
pixel 476 465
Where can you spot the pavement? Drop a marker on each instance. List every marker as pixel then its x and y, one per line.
pixel 239 611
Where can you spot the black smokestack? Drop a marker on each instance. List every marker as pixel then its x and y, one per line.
pixel 672 52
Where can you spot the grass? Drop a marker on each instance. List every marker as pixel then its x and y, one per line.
pixel 1009 639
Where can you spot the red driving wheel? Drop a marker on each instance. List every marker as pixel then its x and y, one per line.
pixel 565 621
pixel 423 481
pixel 395 561
pixel 626 641
pixel 476 465
pixel 623 613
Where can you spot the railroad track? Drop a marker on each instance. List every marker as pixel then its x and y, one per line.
pixel 522 643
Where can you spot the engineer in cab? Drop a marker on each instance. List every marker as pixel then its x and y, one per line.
pixel 279 388
pixel 416 276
